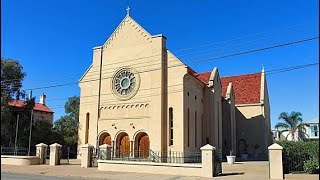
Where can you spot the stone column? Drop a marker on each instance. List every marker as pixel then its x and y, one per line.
pixel 112 148
pixel 131 149
pixel 42 152
pixel 275 162
pixel 55 154
pixel 105 152
pixel 207 153
pixel 86 155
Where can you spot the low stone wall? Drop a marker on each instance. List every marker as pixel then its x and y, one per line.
pixel 151 167
pixel 20 160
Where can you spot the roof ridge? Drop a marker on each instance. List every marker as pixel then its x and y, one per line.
pixel 240 75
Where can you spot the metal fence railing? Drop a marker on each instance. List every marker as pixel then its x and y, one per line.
pixel 16 151
pixel 64 153
pixel 152 156
pixel 218 162
pixel 295 164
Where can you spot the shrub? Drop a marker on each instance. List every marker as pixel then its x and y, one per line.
pixel 300 156
pixel 311 166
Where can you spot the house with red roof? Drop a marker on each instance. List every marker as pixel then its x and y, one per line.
pixel 40 110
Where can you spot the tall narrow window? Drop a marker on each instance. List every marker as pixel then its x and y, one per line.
pixel 195 129
pixel 314 130
pixel 188 126
pixel 202 129
pixel 87 128
pixel 171 125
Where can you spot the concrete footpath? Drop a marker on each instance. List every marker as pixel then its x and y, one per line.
pixel 242 170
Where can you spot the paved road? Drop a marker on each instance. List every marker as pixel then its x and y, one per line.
pixel 16 176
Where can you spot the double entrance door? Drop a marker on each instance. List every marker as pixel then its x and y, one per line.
pixel 141 147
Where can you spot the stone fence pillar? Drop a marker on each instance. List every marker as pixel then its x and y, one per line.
pixel 86 155
pixel 41 152
pixel 207 155
pixel 55 154
pixel 105 152
pixel 275 162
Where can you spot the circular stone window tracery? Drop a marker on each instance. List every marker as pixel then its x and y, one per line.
pixel 125 83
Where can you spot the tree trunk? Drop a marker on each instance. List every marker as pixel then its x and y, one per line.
pixel 292 135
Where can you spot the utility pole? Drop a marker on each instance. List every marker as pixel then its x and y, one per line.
pixel 15 141
pixel 30 97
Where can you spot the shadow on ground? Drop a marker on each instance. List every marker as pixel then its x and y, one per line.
pixel 231 174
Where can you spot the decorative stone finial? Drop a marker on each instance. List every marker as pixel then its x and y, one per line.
pixel 262 68
pixel 275 146
pixel 128 11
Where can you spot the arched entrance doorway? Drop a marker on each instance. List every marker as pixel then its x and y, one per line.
pixel 105 138
pixel 142 145
pixel 123 145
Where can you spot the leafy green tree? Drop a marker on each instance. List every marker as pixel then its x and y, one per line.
pixel 293 123
pixel 11 82
pixel 43 133
pixel 67 125
pixel 72 107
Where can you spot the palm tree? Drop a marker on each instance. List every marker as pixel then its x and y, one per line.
pixel 292 123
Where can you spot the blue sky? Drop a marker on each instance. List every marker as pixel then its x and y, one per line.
pixel 53 40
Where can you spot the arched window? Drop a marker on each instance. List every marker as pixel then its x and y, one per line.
pixel 87 128
pixel 171 125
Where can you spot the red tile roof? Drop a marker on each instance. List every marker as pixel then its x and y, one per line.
pixel 246 87
pixel 203 77
pixel 37 106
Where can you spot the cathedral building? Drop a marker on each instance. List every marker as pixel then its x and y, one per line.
pixel 138 96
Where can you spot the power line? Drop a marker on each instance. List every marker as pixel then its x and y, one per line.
pixel 215 43
pixel 246 36
pixel 274 71
pixel 261 33
pixel 292 68
pixel 194 62
pixel 257 50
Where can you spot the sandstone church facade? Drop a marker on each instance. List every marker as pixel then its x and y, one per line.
pixel 138 96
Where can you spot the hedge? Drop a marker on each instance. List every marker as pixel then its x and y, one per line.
pixel 300 156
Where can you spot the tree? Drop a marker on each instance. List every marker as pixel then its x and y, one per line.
pixel 68 125
pixel 11 82
pixel 43 133
pixel 292 123
pixel 72 107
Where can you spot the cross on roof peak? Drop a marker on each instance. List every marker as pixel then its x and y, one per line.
pixel 128 11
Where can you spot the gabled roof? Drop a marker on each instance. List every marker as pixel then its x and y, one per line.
pixel 196 75
pixel 204 77
pixel 128 20
pixel 312 121
pixel 246 87
pixel 37 106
